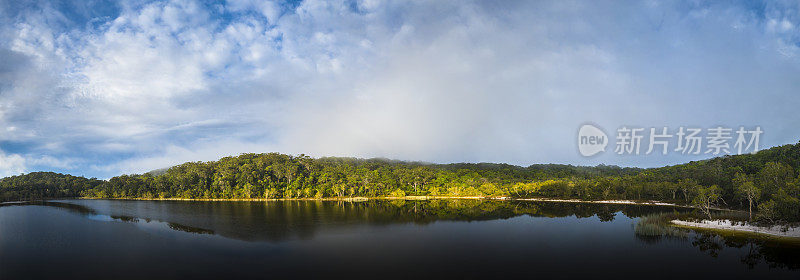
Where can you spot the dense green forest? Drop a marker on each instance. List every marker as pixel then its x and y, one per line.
pixel 766 182
pixel 40 185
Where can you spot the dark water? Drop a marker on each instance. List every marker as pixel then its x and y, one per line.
pixel 99 239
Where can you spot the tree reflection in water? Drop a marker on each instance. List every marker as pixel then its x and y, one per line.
pixel 278 221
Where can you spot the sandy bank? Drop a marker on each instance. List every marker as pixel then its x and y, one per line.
pixel 410 197
pixel 419 197
pixel 793 232
pixel 602 201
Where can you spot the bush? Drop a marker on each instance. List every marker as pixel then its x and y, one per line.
pixel 397 193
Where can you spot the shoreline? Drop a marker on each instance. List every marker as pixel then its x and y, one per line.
pixel 736 227
pixel 347 199
pixel 418 197
pixel 613 201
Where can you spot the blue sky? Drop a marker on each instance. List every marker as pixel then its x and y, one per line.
pixel 101 88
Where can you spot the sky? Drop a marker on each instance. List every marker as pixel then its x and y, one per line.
pixel 102 88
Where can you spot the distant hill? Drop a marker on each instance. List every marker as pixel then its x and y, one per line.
pixel 156 172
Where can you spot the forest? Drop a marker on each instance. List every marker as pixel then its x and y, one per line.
pixel 766 183
pixel 44 185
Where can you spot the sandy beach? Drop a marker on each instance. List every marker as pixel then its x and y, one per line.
pixel 793 232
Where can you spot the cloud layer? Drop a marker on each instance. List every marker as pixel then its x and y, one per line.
pixel 100 89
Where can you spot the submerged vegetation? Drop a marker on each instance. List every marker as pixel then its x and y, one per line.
pixel 656 226
pixel 659 225
pixel 765 183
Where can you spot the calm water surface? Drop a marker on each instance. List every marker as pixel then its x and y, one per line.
pixel 102 239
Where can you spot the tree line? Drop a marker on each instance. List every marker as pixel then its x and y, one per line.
pixel 43 185
pixel 765 183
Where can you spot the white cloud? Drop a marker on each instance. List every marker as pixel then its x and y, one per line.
pixel 11 164
pixel 160 83
pixel 174 155
pixel 45 160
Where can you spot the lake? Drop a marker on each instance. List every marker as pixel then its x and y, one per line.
pixel 117 239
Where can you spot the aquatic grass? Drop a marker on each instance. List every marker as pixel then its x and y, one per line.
pixel 658 225
pixel 653 227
